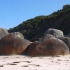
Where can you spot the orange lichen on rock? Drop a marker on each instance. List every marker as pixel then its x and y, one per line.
pixel 12 44
pixel 49 47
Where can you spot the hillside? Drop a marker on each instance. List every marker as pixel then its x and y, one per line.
pixel 34 28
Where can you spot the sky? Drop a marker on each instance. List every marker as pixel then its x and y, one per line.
pixel 14 12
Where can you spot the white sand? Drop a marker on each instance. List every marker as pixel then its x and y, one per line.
pixel 19 62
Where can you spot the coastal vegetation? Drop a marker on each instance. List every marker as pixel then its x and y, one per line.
pixel 34 28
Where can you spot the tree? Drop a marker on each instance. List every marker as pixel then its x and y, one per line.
pixel 66 6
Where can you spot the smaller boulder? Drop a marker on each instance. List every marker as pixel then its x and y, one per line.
pixel 19 34
pixel 55 32
pixel 3 32
pixel 66 40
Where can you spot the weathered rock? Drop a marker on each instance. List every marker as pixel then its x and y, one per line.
pixel 12 44
pixel 3 32
pixel 66 40
pixel 19 34
pixel 55 32
pixel 29 48
pixel 49 47
pixel 45 37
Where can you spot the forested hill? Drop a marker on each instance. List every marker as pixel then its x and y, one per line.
pixel 34 28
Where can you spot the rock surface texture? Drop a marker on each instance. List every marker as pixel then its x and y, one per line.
pixel 12 44
pixel 45 37
pixel 66 40
pixel 49 47
pixel 3 32
pixel 19 34
pixel 55 32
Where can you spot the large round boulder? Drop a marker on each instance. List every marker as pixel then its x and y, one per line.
pixel 13 44
pixel 50 47
pixel 3 32
pixel 55 32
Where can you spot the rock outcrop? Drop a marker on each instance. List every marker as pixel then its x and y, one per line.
pixel 13 44
pixel 55 32
pixel 50 47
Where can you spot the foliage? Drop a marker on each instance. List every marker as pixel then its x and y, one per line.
pixel 66 6
pixel 34 28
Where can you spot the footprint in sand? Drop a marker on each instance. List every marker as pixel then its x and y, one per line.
pixel 59 59
pixel 16 62
pixel 52 61
pixel 66 60
pixel 11 64
pixel 31 64
pixel 25 66
pixel 5 57
pixel 17 57
pixel 58 62
pixel 1 65
pixel 50 58
pixel 35 65
pixel 58 56
pixel 65 64
pixel 27 61
pixel 40 58
pixel 3 61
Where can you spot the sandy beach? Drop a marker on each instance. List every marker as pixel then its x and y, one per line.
pixel 21 62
